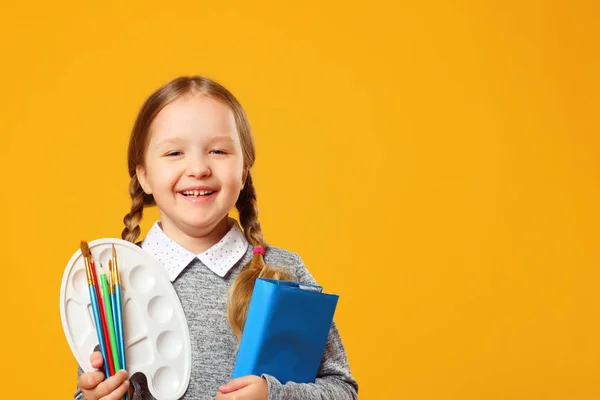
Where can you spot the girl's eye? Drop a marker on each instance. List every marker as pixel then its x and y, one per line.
pixel 174 153
pixel 217 151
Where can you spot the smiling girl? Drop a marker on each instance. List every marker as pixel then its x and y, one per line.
pixel 190 153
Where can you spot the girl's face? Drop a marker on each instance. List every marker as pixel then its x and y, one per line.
pixel 194 166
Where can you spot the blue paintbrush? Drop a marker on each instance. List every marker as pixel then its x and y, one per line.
pixel 118 309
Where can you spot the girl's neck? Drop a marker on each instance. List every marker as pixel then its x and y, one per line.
pixel 196 241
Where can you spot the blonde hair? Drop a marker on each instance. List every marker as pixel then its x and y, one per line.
pixel 242 287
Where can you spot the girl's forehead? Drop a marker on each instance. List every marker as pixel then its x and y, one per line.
pixel 194 115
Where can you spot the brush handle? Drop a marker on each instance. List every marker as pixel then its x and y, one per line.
pixel 118 310
pixel 98 323
pixel 110 323
pixel 113 306
pixel 119 325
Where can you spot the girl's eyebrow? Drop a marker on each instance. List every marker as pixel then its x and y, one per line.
pixel 217 138
pixel 179 141
pixel 168 141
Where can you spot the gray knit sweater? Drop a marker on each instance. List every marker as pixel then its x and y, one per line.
pixel 203 295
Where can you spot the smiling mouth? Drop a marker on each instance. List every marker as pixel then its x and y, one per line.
pixel 197 193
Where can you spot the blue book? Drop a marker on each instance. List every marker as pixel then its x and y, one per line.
pixel 285 331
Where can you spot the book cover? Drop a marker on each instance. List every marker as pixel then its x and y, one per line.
pixel 285 331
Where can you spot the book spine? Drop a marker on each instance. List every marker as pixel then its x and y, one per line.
pixel 257 321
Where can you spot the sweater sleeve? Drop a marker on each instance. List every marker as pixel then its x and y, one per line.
pixel 78 394
pixel 334 380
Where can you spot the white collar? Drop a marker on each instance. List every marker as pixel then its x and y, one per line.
pixel 219 258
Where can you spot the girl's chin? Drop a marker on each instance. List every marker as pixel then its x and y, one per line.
pixel 203 224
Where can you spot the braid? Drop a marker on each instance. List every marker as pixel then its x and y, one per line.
pixel 133 218
pixel 248 211
pixel 241 290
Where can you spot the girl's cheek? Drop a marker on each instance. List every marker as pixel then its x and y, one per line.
pixel 235 178
pixel 230 173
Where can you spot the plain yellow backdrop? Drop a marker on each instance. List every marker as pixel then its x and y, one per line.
pixel 434 163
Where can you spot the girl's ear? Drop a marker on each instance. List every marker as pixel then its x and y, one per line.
pixel 140 172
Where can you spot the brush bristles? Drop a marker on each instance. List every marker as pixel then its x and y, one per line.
pixel 85 248
pixel 111 270
pixel 85 251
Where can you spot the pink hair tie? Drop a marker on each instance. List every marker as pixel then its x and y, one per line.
pixel 259 250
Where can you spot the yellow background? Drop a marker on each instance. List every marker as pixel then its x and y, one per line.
pixel 435 163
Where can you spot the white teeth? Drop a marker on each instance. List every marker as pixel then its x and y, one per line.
pixel 197 193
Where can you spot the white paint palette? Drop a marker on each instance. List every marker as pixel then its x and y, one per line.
pixel 157 338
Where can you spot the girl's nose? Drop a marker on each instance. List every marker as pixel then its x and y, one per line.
pixel 198 167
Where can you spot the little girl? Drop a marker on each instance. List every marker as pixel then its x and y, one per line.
pixel 191 152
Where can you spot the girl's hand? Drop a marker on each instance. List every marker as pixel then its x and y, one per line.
pixel 249 387
pixel 93 386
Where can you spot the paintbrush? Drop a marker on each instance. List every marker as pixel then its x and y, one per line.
pixel 119 304
pixel 117 309
pixel 94 298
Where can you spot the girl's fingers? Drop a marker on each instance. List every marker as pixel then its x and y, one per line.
pixel 118 393
pixel 237 384
pixel 97 387
pixel 90 380
pixel 97 360
pixel 113 383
